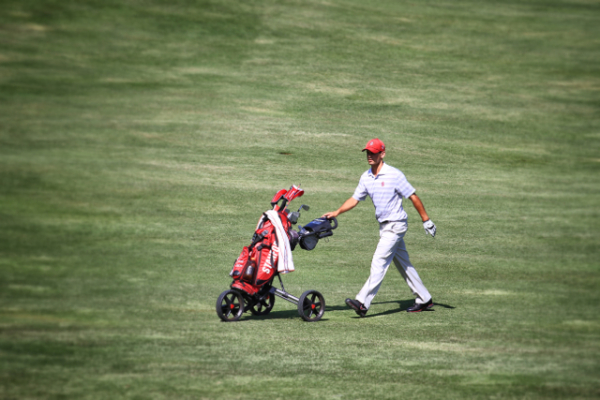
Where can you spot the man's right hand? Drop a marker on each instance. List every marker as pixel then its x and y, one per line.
pixel 331 214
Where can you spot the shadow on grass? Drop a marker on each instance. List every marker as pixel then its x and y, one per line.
pixel 404 304
pixel 292 314
pixel 283 314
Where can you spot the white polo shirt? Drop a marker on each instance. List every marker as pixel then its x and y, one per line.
pixel 386 190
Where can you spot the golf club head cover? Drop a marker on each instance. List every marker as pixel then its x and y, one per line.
pixel 293 193
pixel 278 196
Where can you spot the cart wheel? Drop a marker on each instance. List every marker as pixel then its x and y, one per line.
pixel 264 306
pixel 230 306
pixel 311 306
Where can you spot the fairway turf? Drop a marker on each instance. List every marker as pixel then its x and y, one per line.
pixel 140 141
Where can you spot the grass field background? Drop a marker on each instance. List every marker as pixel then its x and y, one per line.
pixel 140 141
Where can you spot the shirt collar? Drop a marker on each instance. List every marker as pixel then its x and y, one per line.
pixel 382 172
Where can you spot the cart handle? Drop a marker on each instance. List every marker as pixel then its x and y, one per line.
pixel 334 219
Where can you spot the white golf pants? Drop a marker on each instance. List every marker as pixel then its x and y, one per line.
pixel 391 247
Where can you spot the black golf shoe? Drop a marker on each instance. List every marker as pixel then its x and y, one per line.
pixel 357 306
pixel 420 307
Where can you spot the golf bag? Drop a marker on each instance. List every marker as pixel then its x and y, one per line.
pixel 257 263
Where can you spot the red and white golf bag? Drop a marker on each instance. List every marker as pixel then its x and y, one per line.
pixel 258 262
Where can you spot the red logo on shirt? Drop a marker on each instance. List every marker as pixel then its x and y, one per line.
pixel 382 183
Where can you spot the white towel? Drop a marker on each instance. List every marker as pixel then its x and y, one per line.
pixel 285 263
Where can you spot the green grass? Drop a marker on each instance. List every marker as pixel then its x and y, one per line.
pixel 141 141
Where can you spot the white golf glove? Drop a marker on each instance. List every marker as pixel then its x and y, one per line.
pixel 429 227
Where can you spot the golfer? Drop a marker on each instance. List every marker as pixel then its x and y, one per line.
pixel 386 186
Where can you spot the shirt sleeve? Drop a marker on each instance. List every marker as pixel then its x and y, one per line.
pixel 404 188
pixel 360 193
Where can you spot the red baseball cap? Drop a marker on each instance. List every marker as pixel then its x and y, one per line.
pixel 375 146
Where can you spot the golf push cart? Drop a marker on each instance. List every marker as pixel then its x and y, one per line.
pixel 269 255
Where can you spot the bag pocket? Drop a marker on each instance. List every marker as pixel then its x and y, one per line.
pixel 240 264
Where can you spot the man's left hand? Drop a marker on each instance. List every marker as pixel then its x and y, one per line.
pixel 429 227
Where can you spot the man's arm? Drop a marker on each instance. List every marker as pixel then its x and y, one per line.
pixel 419 206
pixel 347 206
pixel 428 224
